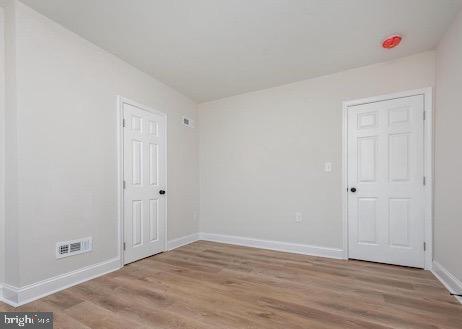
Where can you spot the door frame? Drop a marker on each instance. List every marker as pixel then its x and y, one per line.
pixel 120 171
pixel 427 93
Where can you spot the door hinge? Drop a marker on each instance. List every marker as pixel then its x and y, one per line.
pixel 424 180
pixel 424 115
pixel 425 246
pixel 123 123
pixel 125 247
pixel 124 184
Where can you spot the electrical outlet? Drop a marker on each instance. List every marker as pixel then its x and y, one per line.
pixel 328 167
pixel 298 217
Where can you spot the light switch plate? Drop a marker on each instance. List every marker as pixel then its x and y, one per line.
pixel 298 217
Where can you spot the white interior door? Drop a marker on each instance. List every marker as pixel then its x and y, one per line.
pixel 386 201
pixel 144 183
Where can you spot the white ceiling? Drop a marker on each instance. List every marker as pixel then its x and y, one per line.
pixel 209 49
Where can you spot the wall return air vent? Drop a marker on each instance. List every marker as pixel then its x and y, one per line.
pixel 74 247
pixel 188 122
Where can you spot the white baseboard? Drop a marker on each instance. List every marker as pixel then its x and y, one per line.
pixel 183 241
pixel 296 248
pixel 451 283
pixel 258 243
pixel 15 296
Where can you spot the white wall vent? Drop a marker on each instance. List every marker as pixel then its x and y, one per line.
pixel 188 122
pixel 74 247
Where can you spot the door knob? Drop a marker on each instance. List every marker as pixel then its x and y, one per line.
pixel 353 189
pixel 162 192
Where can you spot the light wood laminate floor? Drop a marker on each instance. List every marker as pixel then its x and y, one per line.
pixel 214 286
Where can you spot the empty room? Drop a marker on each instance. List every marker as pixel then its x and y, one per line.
pixel 231 164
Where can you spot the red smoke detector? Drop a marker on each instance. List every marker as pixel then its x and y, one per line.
pixel 392 42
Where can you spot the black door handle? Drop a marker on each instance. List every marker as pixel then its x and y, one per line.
pixel 353 189
pixel 162 192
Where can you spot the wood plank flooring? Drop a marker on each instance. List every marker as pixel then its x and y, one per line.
pixel 209 285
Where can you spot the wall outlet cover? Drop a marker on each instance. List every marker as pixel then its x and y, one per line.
pixel 328 167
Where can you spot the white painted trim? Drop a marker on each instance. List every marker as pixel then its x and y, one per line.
pixel 15 296
pixel 296 248
pixel 381 98
pixel 182 241
pixel 120 170
pixel 1 294
pixel 344 187
pixel 449 280
pixel 120 179
pixel 428 164
pixel 123 100
pixel 428 169
pixel 258 243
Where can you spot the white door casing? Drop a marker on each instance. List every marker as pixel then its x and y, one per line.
pixel 385 161
pixel 144 179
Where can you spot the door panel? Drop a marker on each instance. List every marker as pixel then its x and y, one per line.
pixel 386 166
pixel 367 159
pixel 399 157
pixel 398 210
pixel 144 176
pixel 367 220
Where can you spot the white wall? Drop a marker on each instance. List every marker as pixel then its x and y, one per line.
pixel 448 154
pixel 66 158
pixel 2 145
pixel 11 271
pixel 262 153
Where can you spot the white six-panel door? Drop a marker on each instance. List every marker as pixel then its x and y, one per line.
pixel 386 200
pixel 144 172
